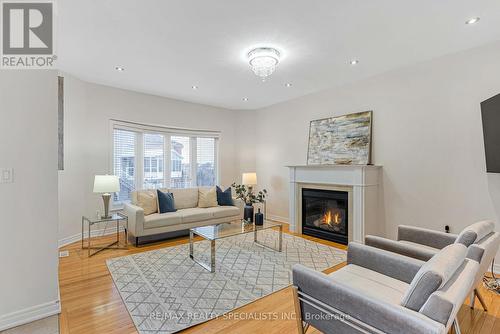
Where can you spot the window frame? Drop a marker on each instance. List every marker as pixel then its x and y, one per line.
pixel 167 132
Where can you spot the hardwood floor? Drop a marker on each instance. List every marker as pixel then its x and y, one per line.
pixel 91 304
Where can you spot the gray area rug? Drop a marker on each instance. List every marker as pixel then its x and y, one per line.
pixel 165 291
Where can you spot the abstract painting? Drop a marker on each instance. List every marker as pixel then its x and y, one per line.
pixel 344 140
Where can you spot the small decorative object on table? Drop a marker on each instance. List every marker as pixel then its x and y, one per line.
pixel 259 218
pixel 245 193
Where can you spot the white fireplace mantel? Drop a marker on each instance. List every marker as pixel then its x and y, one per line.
pixel 360 181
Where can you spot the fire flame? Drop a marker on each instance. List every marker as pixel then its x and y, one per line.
pixel 332 218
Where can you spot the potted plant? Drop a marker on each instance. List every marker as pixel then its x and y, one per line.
pixel 247 195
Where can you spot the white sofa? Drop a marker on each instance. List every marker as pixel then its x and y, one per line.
pixel 155 226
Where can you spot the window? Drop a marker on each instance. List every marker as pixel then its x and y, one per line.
pixel 205 161
pixel 153 155
pixel 180 176
pixel 124 162
pixel 147 157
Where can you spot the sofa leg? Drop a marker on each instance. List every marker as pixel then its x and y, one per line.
pixel 298 313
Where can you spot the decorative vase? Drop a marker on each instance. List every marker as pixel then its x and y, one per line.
pixel 248 213
pixel 259 218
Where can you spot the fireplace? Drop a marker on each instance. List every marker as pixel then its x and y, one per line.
pixel 325 214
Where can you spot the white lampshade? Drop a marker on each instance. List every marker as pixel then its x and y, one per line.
pixel 106 184
pixel 249 179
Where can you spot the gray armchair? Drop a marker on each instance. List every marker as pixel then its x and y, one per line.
pixel 422 244
pixel 383 292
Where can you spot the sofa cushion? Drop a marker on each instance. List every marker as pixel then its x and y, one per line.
pixel 475 232
pixel 166 202
pixel 162 219
pixel 371 283
pixel 433 275
pixel 145 199
pixel 224 198
pixel 191 215
pixel 207 197
pixel 185 198
pixel 224 211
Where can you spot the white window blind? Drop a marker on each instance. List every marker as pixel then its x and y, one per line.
pixel 180 175
pixel 124 162
pixel 153 161
pixel 149 157
pixel 205 161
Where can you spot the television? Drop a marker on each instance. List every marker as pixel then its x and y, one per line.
pixel 490 113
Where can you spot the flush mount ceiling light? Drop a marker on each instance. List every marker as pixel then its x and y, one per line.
pixel 194 87
pixel 119 68
pixel 354 62
pixel 245 99
pixel 472 20
pixel 263 61
pixel 289 84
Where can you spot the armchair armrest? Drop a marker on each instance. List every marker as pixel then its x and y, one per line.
pixel 391 264
pixel 135 216
pixel 321 298
pixel 415 252
pixel 423 236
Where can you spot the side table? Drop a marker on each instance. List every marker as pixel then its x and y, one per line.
pixel 116 218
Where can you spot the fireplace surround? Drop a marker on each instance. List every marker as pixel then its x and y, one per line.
pixel 361 183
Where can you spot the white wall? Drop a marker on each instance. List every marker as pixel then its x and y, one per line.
pixel 28 207
pixel 88 109
pixel 427 135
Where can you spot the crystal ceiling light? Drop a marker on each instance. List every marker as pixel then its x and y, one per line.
pixel 263 61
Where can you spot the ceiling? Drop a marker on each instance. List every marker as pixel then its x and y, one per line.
pixel 166 47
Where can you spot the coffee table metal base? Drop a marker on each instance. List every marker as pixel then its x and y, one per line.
pixel 211 266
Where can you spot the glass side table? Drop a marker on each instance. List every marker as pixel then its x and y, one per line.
pixel 116 218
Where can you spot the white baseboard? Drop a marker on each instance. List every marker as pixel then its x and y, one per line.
pixel 29 314
pixel 95 233
pixel 278 218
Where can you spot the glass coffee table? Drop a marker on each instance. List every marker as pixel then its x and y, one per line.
pixel 220 231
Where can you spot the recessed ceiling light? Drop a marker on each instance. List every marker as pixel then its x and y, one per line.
pixel 354 62
pixel 119 68
pixel 245 99
pixel 288 84
pixel 472 20
pixel 194 87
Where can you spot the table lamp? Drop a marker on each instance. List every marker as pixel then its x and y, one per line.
pixel 105 185
pixel 249 179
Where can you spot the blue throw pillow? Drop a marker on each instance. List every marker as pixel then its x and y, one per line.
pixel 224 198
pixel 165 202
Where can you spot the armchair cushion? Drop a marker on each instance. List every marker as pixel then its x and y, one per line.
pixel 433 275
pixel 371 283
pixel 475 232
